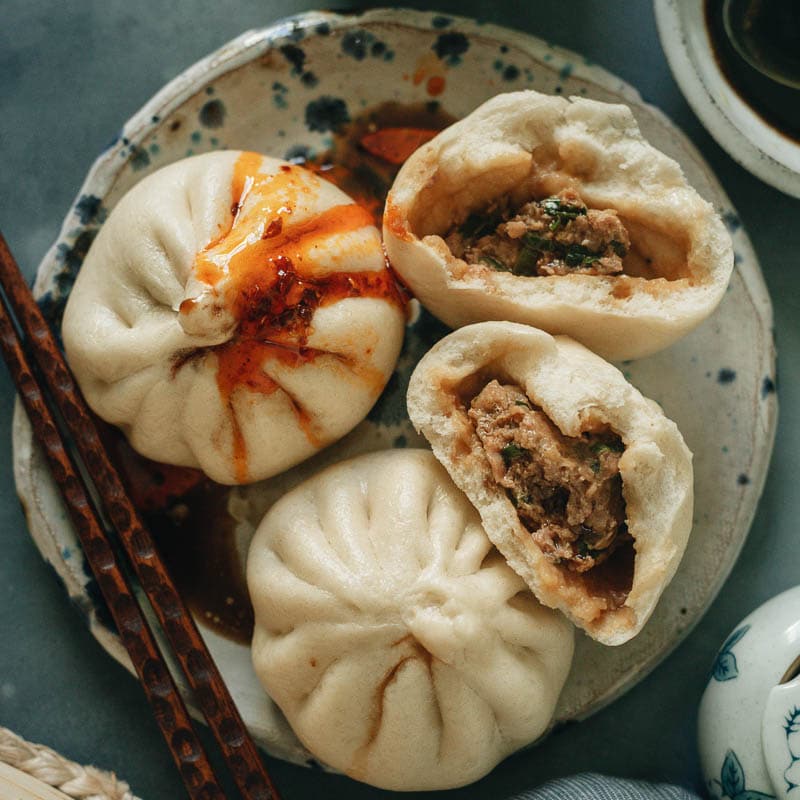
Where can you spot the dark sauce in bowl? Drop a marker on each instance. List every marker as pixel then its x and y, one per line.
pixel 777 104
pixel 766 35
pixel 185 511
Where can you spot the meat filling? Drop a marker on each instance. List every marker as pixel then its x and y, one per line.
pixel 555 236
pixel 567 490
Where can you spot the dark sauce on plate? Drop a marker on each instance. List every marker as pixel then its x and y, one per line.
pixel 185 511
pixel 187 514
pixel 778 105
pixel 367 154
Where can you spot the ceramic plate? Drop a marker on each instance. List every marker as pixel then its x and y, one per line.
pixel 287 89
pixel 745 135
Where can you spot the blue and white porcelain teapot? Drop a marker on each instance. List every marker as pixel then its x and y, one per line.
pixel 749 718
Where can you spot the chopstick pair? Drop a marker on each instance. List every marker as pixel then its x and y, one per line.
pixel 185 640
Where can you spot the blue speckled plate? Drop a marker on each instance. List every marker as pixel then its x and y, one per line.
pixel 290 87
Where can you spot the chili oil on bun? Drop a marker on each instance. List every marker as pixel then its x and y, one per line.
pixel 235 314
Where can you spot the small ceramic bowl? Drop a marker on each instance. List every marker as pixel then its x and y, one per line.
pixel 749 719
pixel 767 150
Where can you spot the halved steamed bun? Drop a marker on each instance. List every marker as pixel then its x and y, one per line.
pixel 398 643
pixel 556 213
pixel 581 482
pixel 235 314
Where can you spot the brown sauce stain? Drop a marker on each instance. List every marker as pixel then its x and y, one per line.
pixel 358 766
pixel 622 289
pixel 612 579
pixel 187 515
pixel 417 650
pixel 196 537
pixel 418 653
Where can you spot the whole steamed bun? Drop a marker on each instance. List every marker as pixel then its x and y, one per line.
pixel 401 647
pixel 235 314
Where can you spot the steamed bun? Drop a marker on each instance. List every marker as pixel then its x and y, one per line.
pixel 582 483
pixel 235 314
pixel 398 643
pixel 631 259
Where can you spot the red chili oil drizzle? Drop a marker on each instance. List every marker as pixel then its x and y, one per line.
pixel 273 287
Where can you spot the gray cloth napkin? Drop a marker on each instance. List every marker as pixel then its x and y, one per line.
pixel 589 786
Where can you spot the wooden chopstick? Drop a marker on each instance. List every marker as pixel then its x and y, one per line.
pixel 202 674
pixel 168 707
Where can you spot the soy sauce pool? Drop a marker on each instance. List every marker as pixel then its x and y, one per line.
pixel 187 513
pixel 778 105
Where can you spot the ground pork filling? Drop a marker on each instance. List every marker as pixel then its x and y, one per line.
pixel 555 236
pixel 567 490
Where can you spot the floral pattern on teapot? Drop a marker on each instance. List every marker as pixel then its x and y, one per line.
pixel 792 729
pixel 732 782
pixel 725 667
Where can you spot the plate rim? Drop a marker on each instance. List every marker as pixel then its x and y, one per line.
pixel 243 49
